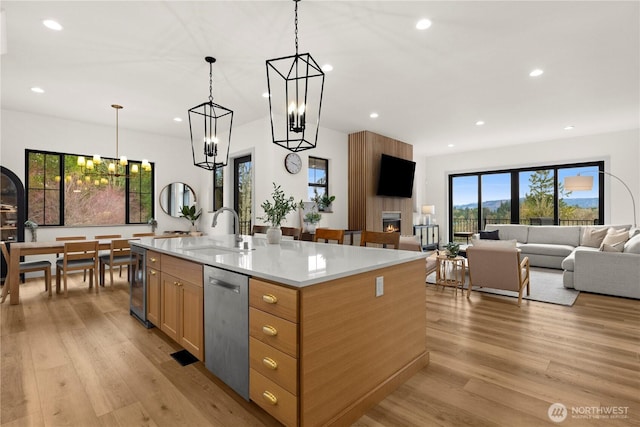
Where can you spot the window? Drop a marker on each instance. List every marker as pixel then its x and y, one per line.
pixel 318 178
pixel 534 196
pixel 218 184
pixel 62 192
pixel 242 192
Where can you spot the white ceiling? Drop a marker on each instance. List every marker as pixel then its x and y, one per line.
pixel 429 87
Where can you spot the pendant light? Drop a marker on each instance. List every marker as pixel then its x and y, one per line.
pixel 295 85
pixel 117 167
pixel 210 126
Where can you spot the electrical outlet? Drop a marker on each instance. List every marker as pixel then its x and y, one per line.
pixel 379 286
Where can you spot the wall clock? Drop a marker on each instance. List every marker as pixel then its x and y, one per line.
pixel 293 163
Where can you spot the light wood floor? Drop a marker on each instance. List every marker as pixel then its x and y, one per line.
pixel 84 361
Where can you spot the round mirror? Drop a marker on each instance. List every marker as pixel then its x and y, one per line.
pixel 174 196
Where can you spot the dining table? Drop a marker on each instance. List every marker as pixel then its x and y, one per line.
pixel 20 249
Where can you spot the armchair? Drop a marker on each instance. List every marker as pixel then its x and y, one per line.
pixel 498 268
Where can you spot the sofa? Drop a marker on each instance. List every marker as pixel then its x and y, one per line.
pixel 587 265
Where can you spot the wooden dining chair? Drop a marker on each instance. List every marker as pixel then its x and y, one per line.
pixel 78 255
pixel 329 234
pixel 260 229
pixel 26 267
pixel 294 232
pixel 66 238
pixel 143 234
pixel 118 256
pixel 379 238
pixel 107 237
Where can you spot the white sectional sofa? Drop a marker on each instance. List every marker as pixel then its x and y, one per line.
pixel 585 268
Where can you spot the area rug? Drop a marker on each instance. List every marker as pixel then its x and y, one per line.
pixel 546 286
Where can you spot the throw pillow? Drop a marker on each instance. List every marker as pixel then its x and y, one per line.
pixel 615 237
pixel 634 232
pixel 593 237
pixel 633 245
pixel 612 248
pixel 495 243
pixel 490 235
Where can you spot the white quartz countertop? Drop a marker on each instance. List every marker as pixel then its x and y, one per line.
pixel 292 262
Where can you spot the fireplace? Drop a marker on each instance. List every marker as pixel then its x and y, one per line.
pixel 391 222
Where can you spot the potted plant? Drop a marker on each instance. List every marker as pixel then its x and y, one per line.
pixel 276 212
pixel 323 202
pixel 453 249
pixel 153 223
pixel 33 228
pixel 312 219
pixel 190 213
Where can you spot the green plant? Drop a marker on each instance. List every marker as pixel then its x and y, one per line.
pixel 324 201
pixel 275 213
pixel 453 248
pixel 312 217
pixel 189 212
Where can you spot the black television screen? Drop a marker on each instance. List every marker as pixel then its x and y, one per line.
pixel 396 177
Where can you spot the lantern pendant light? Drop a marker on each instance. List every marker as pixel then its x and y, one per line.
pixel 295 85
pixel 210 126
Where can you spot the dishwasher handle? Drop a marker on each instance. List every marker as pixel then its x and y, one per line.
pixel 225 285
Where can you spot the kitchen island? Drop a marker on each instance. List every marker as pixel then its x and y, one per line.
pixel 333 329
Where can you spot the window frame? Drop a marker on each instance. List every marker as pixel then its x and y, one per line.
pixel 515 190
pixel 61 161
pixel 314 185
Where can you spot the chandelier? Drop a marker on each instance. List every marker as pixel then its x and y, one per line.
pixel 295 85
pixel 114 168
pixel 210 126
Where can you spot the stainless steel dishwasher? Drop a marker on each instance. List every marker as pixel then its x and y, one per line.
pixel 226 327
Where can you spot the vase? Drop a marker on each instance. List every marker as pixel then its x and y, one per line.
pixel 193 231
pixel 311 228
pixel 274 235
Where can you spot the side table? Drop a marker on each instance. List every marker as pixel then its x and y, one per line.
pixel 450 272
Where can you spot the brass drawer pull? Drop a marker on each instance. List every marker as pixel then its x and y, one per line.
pixel 153 273
pixel 270 363
pixel 152 259
pixel 270 397
pixel 269 299
pixel 270 330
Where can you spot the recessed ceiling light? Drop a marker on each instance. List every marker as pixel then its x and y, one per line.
pixel 177 119
pixel 37 90
pixel 52 25
pixel 537 72
pixel 569 127
pixel 423 24
pixel 451 145
pixel 373 115
pixel 480 123
pixel 265 95
pixel 327 67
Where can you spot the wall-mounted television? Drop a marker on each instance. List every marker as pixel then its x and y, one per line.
pixel 396 177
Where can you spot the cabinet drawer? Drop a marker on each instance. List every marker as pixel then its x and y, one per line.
pixel 153 259
pixel 277 366
pixel 278 402
pixel 274 331
pixel 274 299
pixel 182 269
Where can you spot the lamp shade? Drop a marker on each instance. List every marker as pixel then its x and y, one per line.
pixel 428 209
pixel 578 183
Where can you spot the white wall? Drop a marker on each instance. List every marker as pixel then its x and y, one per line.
pixel 619 150
pixel 172 158
pixel 268 166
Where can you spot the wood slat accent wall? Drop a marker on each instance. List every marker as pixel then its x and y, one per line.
pixel 365 208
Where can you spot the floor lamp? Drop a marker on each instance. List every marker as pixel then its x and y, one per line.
pixel 585 183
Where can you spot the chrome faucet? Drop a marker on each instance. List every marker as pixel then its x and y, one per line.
pixel 237 221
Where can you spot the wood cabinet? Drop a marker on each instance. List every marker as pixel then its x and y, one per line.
pixel 175 300
pixel 12 215
pixel 273 349
pixel 153 287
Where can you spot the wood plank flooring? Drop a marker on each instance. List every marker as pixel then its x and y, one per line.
pixel 84 361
